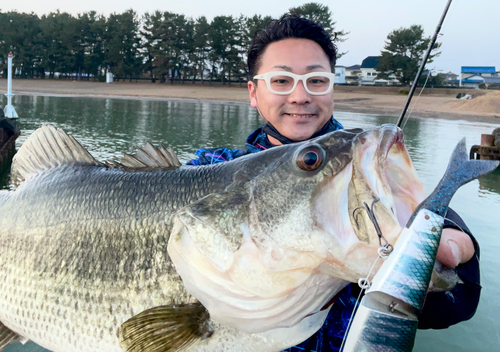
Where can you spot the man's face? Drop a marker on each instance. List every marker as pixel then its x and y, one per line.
pixel 297 115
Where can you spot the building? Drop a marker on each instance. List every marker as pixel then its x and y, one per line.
pixel 339 74
pixel 449 78
pixel 475 81
pixel 369 73
pixel 352 74
pixel 369 70
pixel 472 76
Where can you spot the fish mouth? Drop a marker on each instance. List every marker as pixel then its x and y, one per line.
pixel 384 183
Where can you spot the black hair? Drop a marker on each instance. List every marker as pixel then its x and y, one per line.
pixel 289 26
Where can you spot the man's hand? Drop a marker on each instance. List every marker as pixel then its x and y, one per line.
pixel 456 247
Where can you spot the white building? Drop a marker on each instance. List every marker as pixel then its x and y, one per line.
pixel 472 76
pixel 339 74
pixel 352 74
pixel 369 73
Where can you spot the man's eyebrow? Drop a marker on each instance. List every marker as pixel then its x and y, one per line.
pixel 308 68
pixel 283 67
pixel 313 67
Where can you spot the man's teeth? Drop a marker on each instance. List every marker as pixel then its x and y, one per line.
pixel 295 115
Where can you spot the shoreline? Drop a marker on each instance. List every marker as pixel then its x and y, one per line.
pixel 484 107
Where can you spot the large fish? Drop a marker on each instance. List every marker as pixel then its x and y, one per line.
pixel 149 256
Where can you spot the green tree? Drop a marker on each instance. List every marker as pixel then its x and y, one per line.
pixel 430 80
pixel 248 29
pixel 321 14
pixel 254 24
pixel 92 29
pixel 404 51
pixel 122 45
pixel 60 42
pixel 201 46
pixel 20 35
pixel 168 45
pixel 152 46
pixel 224 51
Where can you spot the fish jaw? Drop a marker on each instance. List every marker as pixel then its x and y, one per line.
pixel 380 175
pixel 246 294
pixel 385 179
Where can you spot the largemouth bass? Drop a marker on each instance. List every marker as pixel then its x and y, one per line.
pixel 238 256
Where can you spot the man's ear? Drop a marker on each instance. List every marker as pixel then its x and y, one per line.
pixel 253 93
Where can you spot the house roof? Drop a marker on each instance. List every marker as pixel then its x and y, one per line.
pixel 353 67
pixel 473 79
pixel 370 62
pixel 481 79
pixel 478 69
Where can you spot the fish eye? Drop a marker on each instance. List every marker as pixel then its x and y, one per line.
pixel 310 158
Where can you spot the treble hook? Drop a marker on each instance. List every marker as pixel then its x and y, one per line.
pixel 385 247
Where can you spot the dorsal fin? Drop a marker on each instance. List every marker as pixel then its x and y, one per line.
pixel 46 148
pixel 148 157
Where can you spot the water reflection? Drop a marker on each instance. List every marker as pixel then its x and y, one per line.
pixel 489 183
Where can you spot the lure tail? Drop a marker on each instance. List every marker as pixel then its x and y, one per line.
pixel 387 317
pixel 460 171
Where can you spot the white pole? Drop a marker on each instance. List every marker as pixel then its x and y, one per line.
pixel 9 109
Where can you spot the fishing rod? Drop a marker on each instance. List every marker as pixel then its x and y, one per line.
pixel 420 70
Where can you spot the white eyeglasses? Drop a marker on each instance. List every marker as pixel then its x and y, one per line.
pixel 283 83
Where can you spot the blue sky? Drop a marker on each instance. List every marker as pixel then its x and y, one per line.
pixel 471 31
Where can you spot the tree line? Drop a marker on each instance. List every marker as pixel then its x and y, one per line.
pixel 162 46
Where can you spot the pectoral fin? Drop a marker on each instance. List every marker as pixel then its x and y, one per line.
pixel 8 336
pixel 166 328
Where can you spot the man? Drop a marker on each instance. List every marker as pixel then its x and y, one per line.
pixel 290 65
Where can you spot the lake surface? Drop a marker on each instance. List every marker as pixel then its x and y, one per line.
pixel 108 127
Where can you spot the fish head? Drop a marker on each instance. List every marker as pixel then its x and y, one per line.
pixel 314 203
pixel 288 234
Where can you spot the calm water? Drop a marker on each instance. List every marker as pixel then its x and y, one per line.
pixel 108 127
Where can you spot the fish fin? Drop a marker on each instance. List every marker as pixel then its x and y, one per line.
pixel 46 148
pixel 166 328
pixel 8 336
pixel 148 157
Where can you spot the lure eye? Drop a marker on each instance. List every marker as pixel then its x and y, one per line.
pixel 310 158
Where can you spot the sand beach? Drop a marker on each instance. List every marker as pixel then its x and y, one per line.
pixel 433 102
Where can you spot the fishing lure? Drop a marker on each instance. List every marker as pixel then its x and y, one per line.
pixel 387 317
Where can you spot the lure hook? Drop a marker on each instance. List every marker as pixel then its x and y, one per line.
pixel 385 247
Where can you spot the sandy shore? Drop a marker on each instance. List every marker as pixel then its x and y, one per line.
pixel 484 107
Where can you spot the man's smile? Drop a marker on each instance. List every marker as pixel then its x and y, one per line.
pixel 301 115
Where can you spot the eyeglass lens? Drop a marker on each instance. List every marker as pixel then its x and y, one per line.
pixel 316 84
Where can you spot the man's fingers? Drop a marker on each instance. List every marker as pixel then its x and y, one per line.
pixel 456 247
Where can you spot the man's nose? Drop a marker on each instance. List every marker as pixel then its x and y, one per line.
pixel 299 95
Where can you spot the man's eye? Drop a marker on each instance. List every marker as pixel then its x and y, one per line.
pixel 317 81
pixel 280 81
